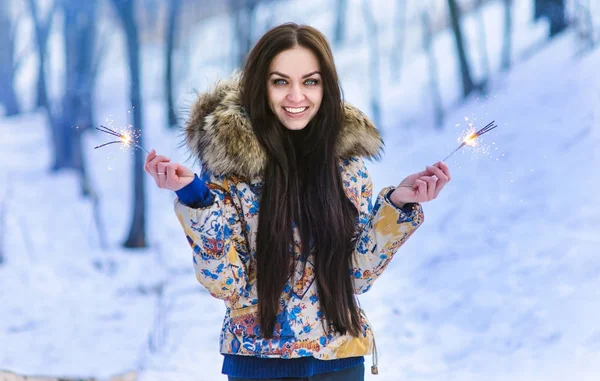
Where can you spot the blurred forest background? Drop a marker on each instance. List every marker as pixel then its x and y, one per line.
pixel 69 66
pixel 69 43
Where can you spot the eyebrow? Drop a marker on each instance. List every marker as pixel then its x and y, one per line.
pixel 286 76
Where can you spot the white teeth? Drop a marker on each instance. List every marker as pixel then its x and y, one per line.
pixel 295 110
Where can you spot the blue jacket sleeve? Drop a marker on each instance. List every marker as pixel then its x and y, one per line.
pixel 196 194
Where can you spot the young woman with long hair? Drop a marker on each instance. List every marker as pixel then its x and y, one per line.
pixel 280 220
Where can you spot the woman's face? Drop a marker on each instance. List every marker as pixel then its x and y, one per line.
pixel 294 87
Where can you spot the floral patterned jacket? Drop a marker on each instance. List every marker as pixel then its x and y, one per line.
pixel 223 235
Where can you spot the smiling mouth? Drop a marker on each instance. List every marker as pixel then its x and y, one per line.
pixel 295 110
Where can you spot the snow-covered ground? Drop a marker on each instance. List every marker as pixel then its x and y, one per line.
pixel 502 282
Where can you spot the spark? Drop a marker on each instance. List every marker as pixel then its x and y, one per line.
pixel 126 137
pixel 470 138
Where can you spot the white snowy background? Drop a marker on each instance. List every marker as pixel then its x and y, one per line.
pixel 502 282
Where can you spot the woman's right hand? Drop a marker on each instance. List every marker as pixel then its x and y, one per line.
pixel 172 176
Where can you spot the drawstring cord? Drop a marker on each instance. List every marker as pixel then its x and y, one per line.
pixel 374 368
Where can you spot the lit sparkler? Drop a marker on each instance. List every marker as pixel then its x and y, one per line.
pixel 125 138
pixel 471 138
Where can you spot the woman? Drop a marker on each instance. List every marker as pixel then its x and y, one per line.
pixel 278 141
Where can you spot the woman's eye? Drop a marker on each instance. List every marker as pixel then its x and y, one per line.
pixel 309 82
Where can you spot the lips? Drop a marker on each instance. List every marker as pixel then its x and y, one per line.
pixel 295 112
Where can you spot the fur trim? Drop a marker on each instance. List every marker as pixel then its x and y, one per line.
pixel 220 135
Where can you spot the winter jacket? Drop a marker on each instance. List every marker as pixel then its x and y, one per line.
pixel 223 234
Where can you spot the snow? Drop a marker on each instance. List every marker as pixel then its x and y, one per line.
pixel 501 282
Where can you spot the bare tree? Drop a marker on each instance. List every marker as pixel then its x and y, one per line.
pixel 467 81
pixel 434 82
pixel 485 62
pixel 506 46
pixel 72 115
pixel 8 97
pixel 173 11
pixel 374 71
pixel 42 31
pixel 584 25
pixel 554 11
pixel 152 11
pixel 340 21
pixel 244 21
pixel 398 49
pixel 126 11
pixel 78 100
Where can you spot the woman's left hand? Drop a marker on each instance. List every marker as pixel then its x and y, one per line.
pixel 422 186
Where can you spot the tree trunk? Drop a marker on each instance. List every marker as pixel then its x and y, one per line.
pixel 538 9
pixel 243 26
pixel 8 97
pixel 433 71
pixel 583 23
pixel 554 11
pixel 506 46
pixel 83 41
pixel 137 233
pixel 251 21
pixel 42 94
pixel 375 86
pixel 485 62
pixel 340 21
pixel 75 116
pixel 42 30
pixel 467 82
pixel 557 16
pixel 173 11
pixel 397 51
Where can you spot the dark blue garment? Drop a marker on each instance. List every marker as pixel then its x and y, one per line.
pixel 196 194
pixel 407 208
pixel 254 367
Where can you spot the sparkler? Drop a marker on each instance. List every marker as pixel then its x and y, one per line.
pixel 125 138
pixel 472 137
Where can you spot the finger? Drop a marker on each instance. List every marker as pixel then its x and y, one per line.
pixel 431 181
pixel 147 164
pixel 438 172
pixel 444 167
pixel 426 172
pixel 154 162
pixel 442 180
pixel 427 178
pixel 161 172
pixel 160 159
pixel 421 190
pixel 149 168
pixel 171 175
pixel 439 188
pixel 152 165
pixel 149 158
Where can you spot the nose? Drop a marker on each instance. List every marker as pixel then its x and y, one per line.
pixel 295 95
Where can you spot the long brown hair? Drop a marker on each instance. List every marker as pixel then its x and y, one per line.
pixel 302 185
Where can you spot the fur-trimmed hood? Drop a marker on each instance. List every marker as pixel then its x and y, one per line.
pixel 219 133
